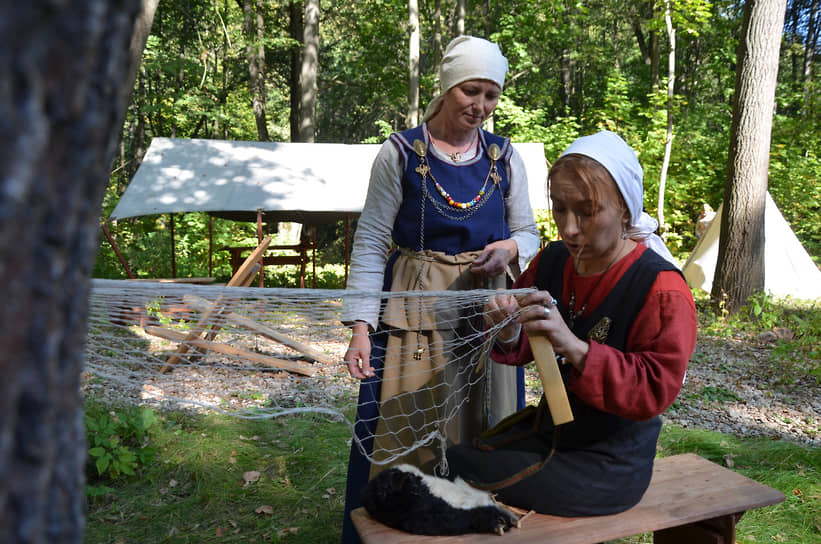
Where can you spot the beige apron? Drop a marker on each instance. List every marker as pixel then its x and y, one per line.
pixel 440 392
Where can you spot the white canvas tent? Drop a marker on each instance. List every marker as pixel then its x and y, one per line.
pixel 298 182
pixel 788 268
pixel 268 182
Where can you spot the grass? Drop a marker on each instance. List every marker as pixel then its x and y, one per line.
pixel 220 479
pixel 217 478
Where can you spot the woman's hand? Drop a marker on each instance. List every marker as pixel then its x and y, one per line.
pixel 494 258
pixel 499 309
pixel 358 356
pixel 540 316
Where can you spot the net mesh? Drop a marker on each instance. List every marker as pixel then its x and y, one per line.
pixel 262 352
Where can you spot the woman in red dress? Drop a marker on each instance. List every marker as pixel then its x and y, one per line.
pixel 622 322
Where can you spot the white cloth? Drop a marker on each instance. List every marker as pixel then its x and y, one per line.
pixel 466 58
pixel 611 151
pixel 372 240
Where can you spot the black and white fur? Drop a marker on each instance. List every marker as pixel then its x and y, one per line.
pixel 405 498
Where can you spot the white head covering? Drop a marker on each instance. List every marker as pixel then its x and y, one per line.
pixel 466 58
pixel 608 149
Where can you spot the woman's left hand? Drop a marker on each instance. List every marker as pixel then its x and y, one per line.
pixel 541 316
pixel 494 258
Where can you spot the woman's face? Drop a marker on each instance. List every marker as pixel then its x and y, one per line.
pixel 468 104
pixel 592 232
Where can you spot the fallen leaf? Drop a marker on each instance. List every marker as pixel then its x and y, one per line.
pixel 797 492
pixel 250 477
pixel 173 483
pixel 288 531
pixel 220 531
pixel 265 509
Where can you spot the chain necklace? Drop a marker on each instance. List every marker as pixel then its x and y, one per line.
pixel 476 202
pixel 466 211
pixel 574 315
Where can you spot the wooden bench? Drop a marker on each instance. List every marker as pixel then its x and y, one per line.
pixel 690 501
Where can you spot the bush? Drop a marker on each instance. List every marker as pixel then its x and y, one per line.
pixel 118 441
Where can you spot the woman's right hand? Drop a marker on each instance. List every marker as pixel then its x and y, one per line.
pixel 358 356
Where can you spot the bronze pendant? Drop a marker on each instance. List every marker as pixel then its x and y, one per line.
pixel 600 330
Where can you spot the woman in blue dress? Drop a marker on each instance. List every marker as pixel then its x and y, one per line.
pixel 451 199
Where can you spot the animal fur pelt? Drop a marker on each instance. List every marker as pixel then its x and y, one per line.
pixel 404 498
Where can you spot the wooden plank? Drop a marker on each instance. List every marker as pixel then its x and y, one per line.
pixel 242 278
pixel 179 336
pixel 201 304
pixel 685 489
pixel 551 377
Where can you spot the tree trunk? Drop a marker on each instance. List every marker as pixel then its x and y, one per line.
pixel 437 43
pixel 310 61
pixel 412 118
pixel 254 26
pixel 460 17
pixel 740 265
pixel 671 84
pixel 295 30
pixel 66 78
pixel 809 52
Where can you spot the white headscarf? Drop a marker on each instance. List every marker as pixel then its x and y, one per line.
pixel 608 149
pixel 466 58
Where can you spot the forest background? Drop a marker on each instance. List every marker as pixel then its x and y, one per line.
pixel 231 70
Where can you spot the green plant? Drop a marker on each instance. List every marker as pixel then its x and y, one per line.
pixel 118 441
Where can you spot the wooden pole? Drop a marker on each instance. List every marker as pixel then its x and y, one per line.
pixel 551 377
pixel 347 245
pixel 173 248
pixel 117 251
pixel 259 241
pixel 210 245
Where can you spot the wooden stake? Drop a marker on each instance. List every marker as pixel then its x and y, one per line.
pixel 203 305
pixel 197 342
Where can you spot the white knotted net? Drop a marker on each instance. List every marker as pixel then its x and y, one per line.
pixel 260 352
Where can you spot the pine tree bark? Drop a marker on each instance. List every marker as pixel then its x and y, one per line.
pixel 65 70
pixel 740 265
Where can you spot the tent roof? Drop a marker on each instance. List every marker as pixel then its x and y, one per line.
pixel 300 182
pixel 788 268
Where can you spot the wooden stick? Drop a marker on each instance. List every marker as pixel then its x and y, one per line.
pixel 179 336
pixel 202 305
pixel 243 277
pixel 552 383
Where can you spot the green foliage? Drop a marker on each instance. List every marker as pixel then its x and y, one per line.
pixel 118 441
pixel 574 68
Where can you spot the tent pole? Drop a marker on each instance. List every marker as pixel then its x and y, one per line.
pixel 117 252
pixel 313 257
pixel 347 244
pixel 173 249
pixel 259 241
pixel 210 246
